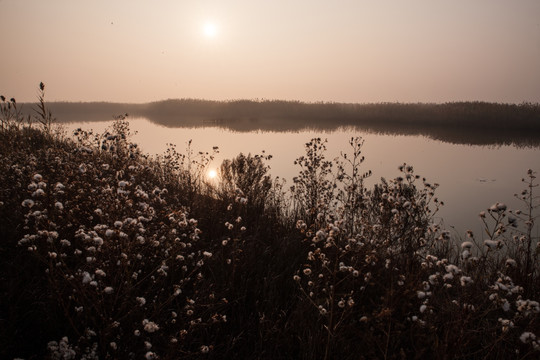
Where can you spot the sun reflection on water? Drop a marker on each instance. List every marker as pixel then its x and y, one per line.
pixel 211 174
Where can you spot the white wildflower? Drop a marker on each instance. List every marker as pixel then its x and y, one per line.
pixel 492 244
pixel 527 337
pixel 452 269
pixel 86 278
pixel 27 203
pixel 528 306
pixel 464 280
pixel 100 272
pixel 511 263
pixel 150 356
pixel 38 192
pixel 150 326
pixel 319 236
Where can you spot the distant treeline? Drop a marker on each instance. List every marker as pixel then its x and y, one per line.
pixel 457 122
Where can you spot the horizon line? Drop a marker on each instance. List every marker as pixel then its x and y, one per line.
pixel 264 100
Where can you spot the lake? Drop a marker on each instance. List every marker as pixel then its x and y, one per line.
pixel 471 177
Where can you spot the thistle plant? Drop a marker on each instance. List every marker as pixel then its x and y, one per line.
pixel 313 189
pixel 363 253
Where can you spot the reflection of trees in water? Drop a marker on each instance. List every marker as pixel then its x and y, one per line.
pixel 464 122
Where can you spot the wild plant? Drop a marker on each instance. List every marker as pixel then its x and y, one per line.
pixel 313 189
pixel 115 141
pixel 358 244
pixel 43 115
pixel 256 259
pixel 351 191
pixel 511 242
pixel 486 289
pixel 189 168
pixel 389 278
pixel 247 175
pixel 120 255
pixel 358 272
pixel 11 116
pixel 279 203
pixel 525 242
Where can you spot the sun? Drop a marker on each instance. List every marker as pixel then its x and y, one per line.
pixel 212 174
pixel 210 29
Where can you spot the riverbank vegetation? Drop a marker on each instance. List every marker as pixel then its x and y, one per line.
pixel 109 253
pixel 476 123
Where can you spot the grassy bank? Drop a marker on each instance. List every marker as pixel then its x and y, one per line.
pixel 109 253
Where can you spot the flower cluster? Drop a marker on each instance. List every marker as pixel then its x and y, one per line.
pixel 121 253
pixel 391 263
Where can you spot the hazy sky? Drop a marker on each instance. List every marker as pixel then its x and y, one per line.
pixel 309 50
